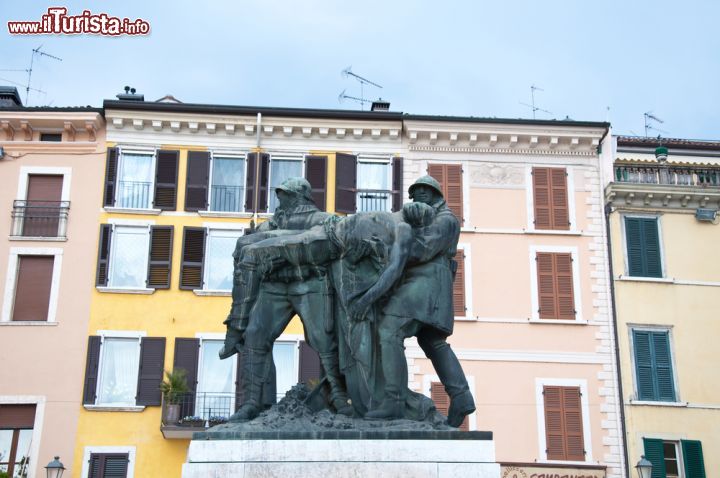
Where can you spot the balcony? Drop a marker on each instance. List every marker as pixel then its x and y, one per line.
pixel 227 198
pixel 666 174
pixel 40 219
pixel 133 194
pixel 194 412
pixel 369 200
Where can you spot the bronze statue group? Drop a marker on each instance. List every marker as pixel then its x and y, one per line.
pixel 361 285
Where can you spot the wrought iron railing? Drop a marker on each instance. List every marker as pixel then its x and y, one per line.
pixel 199 409
pixel 40 218
pixel 670 175
pixel 227 198
pixel 133 194
pixel 369 200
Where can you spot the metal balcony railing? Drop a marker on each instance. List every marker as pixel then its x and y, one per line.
pixel 40 218
pixel 669 175
pixel 133 194
pixel 199 409
pixel 227 198
pixel 369 200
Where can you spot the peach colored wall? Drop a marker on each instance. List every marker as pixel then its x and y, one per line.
pixel 49 360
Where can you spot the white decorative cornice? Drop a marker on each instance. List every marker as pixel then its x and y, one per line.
pixel 8 129
pixel 175 126
pixel 306 132
pixel 75 125
pixel 157 125
pixel 229 128
pixel 69 130
pixel 91 129
pixel 138 124
pixel 470 149
pixel 249 129
pixel 27 129
pixel 661 196
pixel 194 126
pixel 210 128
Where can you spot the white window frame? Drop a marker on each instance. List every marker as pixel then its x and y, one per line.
pixel 152 152
pixel 24 183
pixel 465 223
pixel 676 383
pixel 467 268
pixel 535 293
pixel 282 156
pixel 530 200
pixel 426 390
pixel 12 276
pixel 377 159
pixel 116 334
pixel 147 225
pixel 39 402
pixel 89 450
pixel 209 228
pixel 294 339
pixel 540 407
pixel 215 337
pixel 626 264
pixel 221 154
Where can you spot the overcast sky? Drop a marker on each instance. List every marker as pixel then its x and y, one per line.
pixel 595 61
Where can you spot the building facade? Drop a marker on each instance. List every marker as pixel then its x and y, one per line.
pixel 49 161
pixel 662 205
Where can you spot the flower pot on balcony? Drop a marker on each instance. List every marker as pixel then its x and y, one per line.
pixel 192 422
pixel 171 413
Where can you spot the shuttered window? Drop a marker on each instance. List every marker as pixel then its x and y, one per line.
pixel 563 423
pixel 310 367
pixel 459 305
pixel 108 465
pixel 667 461
pixel 160 259
pixel 653 366
pixel 43 206
pixel 450 177
pixel 32 289
pixel 550 198
pixel 643 247
pixel 316 174
pixel 150 374
pixel 227 183
pixel 187 351
pixel 193 255
pixel 111 164
pixel 442 403
pixel 196 184
pixel 345 183
pixel 166 179
pixel 556 298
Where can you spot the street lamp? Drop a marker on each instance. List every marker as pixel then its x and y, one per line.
pixel 55 468
pixel 644 467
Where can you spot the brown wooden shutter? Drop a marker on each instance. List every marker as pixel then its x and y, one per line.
pixel 442 402
pixel 101 277
pixel 563 423
pixel 541 198
pixel 559 197
pixel 160 257
pixel 197 181
pixel 459 306
pixel 17 416
pixel 397 183
pixel 111 164
pixel 264 182
pixel 450 178
pixel 91 370
pixel 108 465
pixel 316 174
pixel 42 213
pixel 193 255
pixel 550 198
pixel 150 374
pixel 310 367
pixel 32 289
pixel 345 183
pixel 555 286
pixel 186 357
pixel 166 179
pixel 250 176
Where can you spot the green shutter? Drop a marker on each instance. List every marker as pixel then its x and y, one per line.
pixel 636 259
pixel 663 367
pixel 644 365
pixel 643 247
pixel 653 366
pixel 693 458
pixel 654 453
pixel 651 244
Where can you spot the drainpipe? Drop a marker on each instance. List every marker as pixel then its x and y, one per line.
pixel 256 187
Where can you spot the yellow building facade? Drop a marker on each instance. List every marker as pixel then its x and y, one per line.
pixel 664 232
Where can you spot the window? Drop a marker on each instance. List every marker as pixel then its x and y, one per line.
pixel 287 373
pixel 450 177
pixel 282 167
pixel 642 240
pixel 653 365
pixel 550 199
pixel 55 137
pixel 674 459
pixel 216 382
pixel 16 430
pixel 227 184
pixel 219 259
pixel 42 205
pixel 374 185
pixel 123 370
pixel 442 402
pixel 141 179
pixel 134 257
pixel 32 284
pixel 459 304
pixel 555 298
pixel 563 423
pixel 108 462
pixel 368 183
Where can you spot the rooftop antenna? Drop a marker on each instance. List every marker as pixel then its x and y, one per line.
pixel 36 51
pixel 532 95
pixel 342 97
pixel 649 117
pixel 363 81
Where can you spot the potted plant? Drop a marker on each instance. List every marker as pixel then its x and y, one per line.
pixel 217 420
pixel 173 388
pixel 193 421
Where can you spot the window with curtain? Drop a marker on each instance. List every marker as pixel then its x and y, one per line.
pixel 374 186
pixel 118 371
pixel 280 170
pixel 128 264
pixel 286 368
pixel 227 188
pixel 135 181
pixel 216 382
pixel 219 260
pixel 16 429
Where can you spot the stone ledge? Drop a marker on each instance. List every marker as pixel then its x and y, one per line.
pixel 344 435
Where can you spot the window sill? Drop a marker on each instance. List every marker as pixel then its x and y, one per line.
pixel 114 408
pixel 29 323
pixel 242 215
pixel 465 319
pixel 124 290
pixel 123 210
pixel 564 462
pixel 662 280
pixel 572 232
pixel 647 403
pixel 557 321
pixel 37 238
pixel 212 293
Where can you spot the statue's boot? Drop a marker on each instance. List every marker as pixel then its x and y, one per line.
pixel 391 408
pixel 453 379
pixel 394 367
pixel 338 395
pixel 254 368
pixel 233 337
pixel 244 293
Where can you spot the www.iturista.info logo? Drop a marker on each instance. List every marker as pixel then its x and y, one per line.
pixel 57 21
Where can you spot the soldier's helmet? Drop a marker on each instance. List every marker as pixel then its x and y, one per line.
pixel 426 181
pixel 299 186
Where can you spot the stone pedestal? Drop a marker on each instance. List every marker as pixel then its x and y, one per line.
pixel 342 454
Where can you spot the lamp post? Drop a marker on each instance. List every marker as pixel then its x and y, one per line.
pixel 55 468
pixel 644 467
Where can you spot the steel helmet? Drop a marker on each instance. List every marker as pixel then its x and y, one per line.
pixel 299 186
pixel 426 181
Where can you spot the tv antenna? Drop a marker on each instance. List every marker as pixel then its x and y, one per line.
pixel 363 81
pixel 36 51
pixel 649 118
pixel 532 106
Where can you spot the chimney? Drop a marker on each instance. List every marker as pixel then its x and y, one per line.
pixel 380 105
pixel 9 97
pixel 130 95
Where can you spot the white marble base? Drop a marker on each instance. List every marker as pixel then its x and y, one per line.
pixel 341 458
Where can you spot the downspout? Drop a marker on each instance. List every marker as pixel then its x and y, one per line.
pixel 256 188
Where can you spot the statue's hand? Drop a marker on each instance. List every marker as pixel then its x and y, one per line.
pixel 358 310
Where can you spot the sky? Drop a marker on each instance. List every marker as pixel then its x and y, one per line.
pixel 593 60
